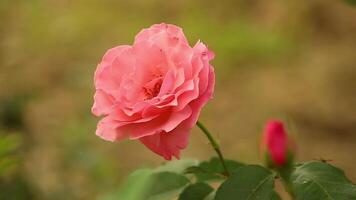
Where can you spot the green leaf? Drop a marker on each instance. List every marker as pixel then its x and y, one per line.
pixel 151 185
pixel 211 196
pixel 135 186
pixel 275 196
pixel 161 183
pixel 164 183
pixel 318 180
pixel 212 169
pixel 251 182
pixel 197 191
pixel 177 166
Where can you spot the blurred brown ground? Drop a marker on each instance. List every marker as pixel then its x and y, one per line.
pixel 294 60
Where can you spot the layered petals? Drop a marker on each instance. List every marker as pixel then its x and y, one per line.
pixel 154 90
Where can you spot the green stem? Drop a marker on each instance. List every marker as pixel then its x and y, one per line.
pixel 285 173
pixel 215 145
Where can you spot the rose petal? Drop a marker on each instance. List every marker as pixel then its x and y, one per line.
pixel 115 63
pixel 102 103
pixel 163 30
pixel 168 144
pixel 107 130
pixel 166 122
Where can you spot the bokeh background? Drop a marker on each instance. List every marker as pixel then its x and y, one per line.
pixel 293 60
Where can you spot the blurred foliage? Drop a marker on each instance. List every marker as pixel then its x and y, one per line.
pixel 352 2
pixel 11 112
pixel 8 158
pixel 16 188
pixel 13 185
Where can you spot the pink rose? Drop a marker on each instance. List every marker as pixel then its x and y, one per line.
pixel 153 90
pixel 276 144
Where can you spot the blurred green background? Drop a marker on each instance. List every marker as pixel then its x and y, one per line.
pixel 294 60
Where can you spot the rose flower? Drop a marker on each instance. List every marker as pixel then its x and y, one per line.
pixel 154 90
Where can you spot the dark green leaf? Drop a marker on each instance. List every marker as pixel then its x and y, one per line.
pixel 197 191
pixel 212 169
pixel 318 180
pixel 250 182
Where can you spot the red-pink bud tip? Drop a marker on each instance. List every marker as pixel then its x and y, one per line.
pixel 275 142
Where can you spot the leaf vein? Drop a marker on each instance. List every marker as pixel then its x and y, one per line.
pixel 258 186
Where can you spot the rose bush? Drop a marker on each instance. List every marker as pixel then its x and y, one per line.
pixel 154 90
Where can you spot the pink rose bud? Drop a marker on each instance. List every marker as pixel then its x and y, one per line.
pixel 153 90
pixel 276 145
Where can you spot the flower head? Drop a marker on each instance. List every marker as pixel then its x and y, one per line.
pixel 153 90
pixel 276 144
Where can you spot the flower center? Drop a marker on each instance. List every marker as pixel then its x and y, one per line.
pixel 152 88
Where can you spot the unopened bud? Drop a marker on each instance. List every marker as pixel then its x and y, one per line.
pixel 276 145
